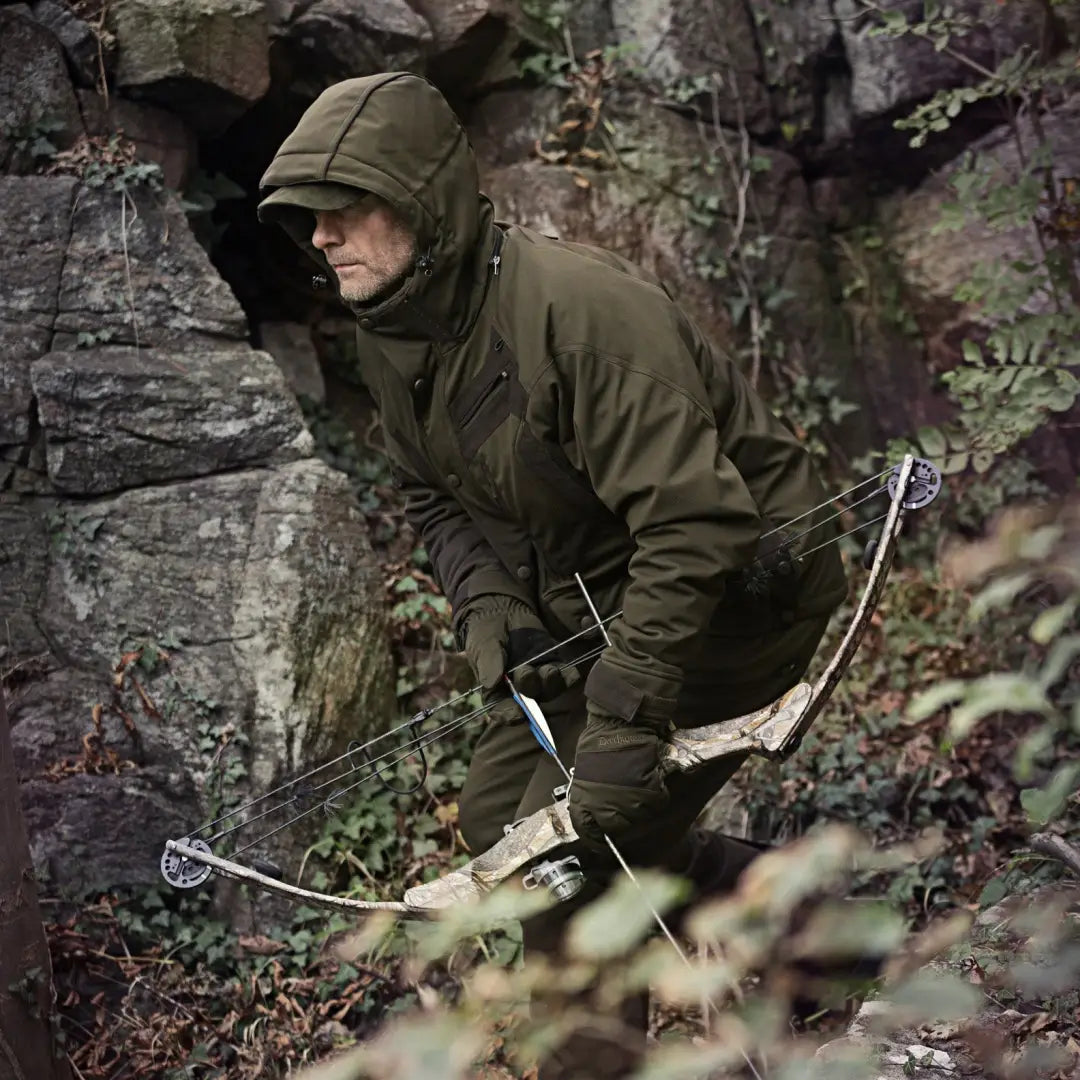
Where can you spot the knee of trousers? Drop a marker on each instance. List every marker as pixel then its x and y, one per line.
pixel 478 827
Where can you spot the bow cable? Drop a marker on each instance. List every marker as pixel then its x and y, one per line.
pixel 387 759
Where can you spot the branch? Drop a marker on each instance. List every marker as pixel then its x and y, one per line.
pixel 1058 848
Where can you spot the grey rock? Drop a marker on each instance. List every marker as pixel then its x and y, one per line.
pixel 206 60
pixel 293 350
pixel 505 125
pixel 121 418
pixel 644 212
pixel 37 103
pixel 105 830
pixel 134 274
pixel 677 43
pixel 933 263
pixel 86 55
pixel 472 43
pixel 159 136
pixel 35 223
pixel 888 73
pixel 794 42
pixel 590 25
pixel 262 589
pixel 338 39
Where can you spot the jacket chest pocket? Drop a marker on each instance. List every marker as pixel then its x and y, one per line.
pixel 486 402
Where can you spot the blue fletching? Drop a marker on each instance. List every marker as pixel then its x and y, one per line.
pixel 538 724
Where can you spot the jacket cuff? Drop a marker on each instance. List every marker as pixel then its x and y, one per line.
pixel 631 696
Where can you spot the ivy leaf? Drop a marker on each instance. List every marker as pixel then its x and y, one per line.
pixel 619 920
pixel 928 702
pixel 1044 804
pixel 998 692
pixel 1051 622
pixel 999 593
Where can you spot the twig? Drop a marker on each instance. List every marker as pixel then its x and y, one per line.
pixel 12 1060
pixel 1057 847
pixel 124 200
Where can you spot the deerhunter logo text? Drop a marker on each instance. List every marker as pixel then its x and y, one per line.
pixel 615 741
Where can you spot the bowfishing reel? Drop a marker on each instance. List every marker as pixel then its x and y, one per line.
pixel 563 878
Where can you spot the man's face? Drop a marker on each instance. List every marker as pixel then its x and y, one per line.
pixel 367 244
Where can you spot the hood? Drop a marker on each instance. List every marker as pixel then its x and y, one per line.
pixel 395 135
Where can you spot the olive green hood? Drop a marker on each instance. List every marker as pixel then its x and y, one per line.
pixel 393 134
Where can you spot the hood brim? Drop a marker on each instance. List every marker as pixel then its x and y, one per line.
pixel 315 196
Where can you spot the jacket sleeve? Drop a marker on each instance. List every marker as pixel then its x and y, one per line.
pixel 465 565
pixel 649 444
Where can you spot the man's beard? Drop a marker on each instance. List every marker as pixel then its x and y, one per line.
pixel 373 282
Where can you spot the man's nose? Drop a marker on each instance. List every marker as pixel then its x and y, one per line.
pixel 326 233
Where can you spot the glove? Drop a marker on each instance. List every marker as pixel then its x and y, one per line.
pixel 502 632
pixel 617 779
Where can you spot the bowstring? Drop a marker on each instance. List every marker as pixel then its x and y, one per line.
pixel 378 766
pixel 379 763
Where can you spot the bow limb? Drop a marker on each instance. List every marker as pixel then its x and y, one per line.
pixel 282 888
pixel 776 730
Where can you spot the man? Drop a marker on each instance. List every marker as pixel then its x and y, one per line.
pixel 550 410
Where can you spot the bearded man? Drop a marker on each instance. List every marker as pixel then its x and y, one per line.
pixel 550 410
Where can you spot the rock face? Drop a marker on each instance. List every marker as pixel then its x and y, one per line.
pixel 37 102
pixel 192 608
pixel 887 72
pixel 934 263
pixel 255 580
pixel 293 350
pixel 134 275
pixel 122 418
pixel 158 136
pixel 86 54
pixel 679 44
pixel 35 216
pixel 206 59
pixel 331 40
pixel 663 210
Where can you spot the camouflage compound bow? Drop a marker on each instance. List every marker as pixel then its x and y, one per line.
pixel 772 732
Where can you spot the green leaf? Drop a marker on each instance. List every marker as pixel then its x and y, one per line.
pixel 1051 622
pixel 932 442
pixel 998 692
pixel 972 352
pixel 620 919
pixel 1001 592
pixel 928 702
pixel 1044 804
pixel 1059 660
pixel 994 891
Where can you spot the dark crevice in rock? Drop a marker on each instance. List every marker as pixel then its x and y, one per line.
pixel 881 157
pixel 761 67
pixel 831 88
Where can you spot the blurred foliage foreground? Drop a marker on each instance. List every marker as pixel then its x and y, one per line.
pixel 920 803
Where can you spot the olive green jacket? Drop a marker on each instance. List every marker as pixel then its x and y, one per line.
pixel 550 409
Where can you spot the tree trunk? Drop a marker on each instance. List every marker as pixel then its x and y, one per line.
pixel 26 990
